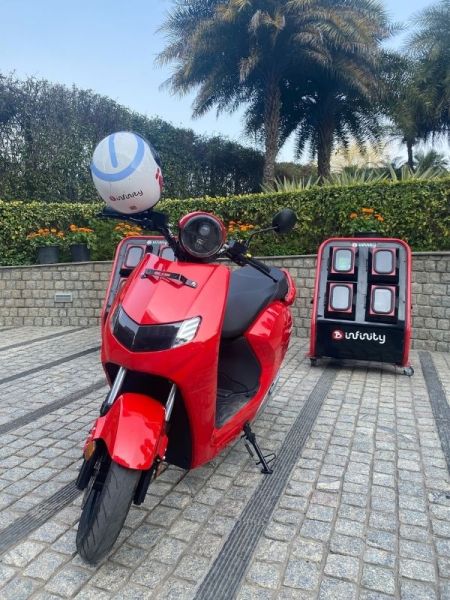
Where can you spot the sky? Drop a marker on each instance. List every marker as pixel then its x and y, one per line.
pixel 110 46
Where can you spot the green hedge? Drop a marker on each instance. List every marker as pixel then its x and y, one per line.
pixel 416 211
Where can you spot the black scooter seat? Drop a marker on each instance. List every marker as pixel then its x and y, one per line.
pixel 249 293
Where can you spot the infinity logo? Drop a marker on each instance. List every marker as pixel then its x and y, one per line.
pixel 337 335
pixel 127 171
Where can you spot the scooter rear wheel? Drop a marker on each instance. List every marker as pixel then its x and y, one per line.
pixel 104 511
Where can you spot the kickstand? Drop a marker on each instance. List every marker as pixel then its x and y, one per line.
pixel 250 442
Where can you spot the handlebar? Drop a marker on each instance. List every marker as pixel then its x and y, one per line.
pixel 109 213
pixel 155 221
pixel 238 253
pixel 258 265
pixel 147 219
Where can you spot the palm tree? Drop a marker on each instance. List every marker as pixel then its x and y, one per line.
pixel 430 46
pixel 431 160
pixel 342 104
pixel 403 102
pixel 226 50
pixel 337 99
pixel 335 113
pixel 247 51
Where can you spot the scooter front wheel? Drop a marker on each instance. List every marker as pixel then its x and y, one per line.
pixel 104 511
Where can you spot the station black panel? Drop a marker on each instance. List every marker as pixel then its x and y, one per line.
pixel 361 306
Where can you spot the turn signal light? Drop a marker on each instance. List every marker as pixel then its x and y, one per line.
pixel 89 450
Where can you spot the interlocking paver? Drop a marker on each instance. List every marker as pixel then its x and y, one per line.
pixel 415 569
pixel 378 578
pixel 335 589
pixel 19 588
pixel 412 590
pixel 365 513
pixel 302 574
pixel 45 565
pixel 68 581
pixel 265 574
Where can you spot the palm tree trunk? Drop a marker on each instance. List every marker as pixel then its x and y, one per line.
pixel 325 147
pixel 272 111
pixel 409 146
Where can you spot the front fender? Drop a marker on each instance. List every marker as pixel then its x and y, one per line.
pixel 133 431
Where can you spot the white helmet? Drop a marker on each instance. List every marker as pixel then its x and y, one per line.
pixel 126 172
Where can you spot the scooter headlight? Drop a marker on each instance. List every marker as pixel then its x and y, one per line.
pixel 201 235
pixel 148 338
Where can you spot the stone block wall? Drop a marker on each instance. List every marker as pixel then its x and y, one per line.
pixel 431 301
pixel 27 295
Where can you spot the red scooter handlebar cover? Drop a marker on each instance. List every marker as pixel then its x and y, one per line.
pixel 133 431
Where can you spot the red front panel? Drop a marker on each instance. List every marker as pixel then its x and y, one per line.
pixel 193 366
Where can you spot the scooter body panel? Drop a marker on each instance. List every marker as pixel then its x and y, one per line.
pixel 193 366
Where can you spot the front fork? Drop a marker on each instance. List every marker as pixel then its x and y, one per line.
pixel 92 450
pixel 114 391
pixel 117 386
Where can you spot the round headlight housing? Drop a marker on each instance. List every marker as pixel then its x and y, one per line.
pixel 201 235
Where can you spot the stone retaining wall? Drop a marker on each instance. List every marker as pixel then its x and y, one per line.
pixel 27 295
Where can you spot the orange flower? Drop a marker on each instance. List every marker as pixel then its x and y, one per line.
pixel 368 211
pixel 380 218
pixel 353 215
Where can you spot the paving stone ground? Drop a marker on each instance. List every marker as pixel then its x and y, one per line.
pixel 365 512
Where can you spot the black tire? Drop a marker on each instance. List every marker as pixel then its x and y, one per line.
pixel 104 512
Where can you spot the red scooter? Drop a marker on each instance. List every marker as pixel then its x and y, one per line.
pixel 191 351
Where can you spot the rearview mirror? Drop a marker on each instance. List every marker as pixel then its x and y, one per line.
pixel 284 221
